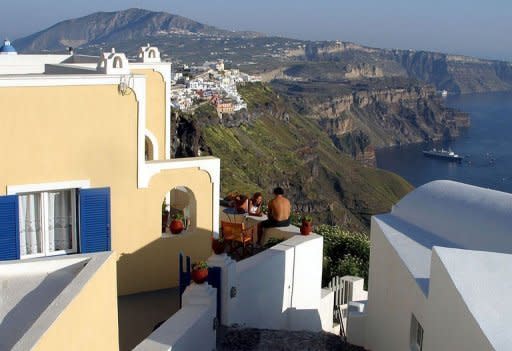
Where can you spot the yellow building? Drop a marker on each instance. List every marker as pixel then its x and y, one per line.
pixel 85 166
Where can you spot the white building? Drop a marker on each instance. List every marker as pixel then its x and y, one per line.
pixel 440 269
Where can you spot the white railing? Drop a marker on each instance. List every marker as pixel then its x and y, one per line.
pixel 346 289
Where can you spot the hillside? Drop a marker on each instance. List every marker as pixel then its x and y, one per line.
pixel 112 27
pixel 272 145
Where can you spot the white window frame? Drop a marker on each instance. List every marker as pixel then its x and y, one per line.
pixel 45 240
pixel 44 188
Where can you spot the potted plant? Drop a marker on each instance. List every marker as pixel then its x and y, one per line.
pixel 307 225
pixel 177 225
pixel 165 216
pixel 199 272
pixel 218 245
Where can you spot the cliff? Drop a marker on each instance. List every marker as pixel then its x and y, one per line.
pixel 455 73
pixel 360 117
pixel 272 144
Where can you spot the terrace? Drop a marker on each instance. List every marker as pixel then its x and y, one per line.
pixel 140 313
pixel 278 288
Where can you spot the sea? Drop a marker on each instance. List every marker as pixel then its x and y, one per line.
pixel 486 147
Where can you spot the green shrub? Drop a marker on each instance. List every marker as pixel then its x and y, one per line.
pixel 345 253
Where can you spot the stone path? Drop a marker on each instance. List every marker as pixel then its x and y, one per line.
pixel 238 339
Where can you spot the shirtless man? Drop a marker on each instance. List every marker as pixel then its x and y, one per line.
pixel 279 210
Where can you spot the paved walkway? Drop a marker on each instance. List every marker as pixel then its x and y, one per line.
pixel 235 339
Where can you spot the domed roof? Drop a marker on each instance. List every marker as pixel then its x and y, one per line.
pixel 7 48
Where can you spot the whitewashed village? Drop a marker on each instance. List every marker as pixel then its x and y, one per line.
pixel 210 83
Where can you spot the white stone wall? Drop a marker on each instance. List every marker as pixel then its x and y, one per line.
pixel 28 64
pixel 191 328
pixel 393 296
pixel 449 325
pixel 280 288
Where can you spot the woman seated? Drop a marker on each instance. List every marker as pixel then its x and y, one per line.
pixel 255 205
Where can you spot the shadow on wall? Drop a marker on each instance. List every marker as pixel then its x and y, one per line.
pixel 155 265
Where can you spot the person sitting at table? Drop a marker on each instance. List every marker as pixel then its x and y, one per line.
pixel 242 204
pixel 255 204
pixel 279 210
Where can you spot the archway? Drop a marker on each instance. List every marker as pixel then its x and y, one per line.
pixel 179 202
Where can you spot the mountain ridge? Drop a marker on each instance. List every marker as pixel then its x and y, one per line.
pixel 188 41
pixel 103 27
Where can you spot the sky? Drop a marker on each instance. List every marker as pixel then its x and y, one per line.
pixel 468 27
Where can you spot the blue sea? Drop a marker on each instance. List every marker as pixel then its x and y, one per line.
pixel 486 147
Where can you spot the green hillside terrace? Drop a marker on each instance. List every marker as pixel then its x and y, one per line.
pixel 281 147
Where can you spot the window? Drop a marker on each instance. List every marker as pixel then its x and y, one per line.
pixel 47 223
pixel 54 218
pixel 416 335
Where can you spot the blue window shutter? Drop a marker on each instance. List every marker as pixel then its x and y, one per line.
pixel 94 219
pixel 9 228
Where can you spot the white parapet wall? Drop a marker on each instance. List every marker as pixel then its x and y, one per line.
pixel 279 288
pixel 193 327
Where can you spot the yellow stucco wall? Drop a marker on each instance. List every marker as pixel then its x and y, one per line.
pixel 52 134
pixel 89 322
pixel 155 111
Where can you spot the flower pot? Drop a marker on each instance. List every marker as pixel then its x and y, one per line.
pixel 176 226
pixel 199 276
pixel 306 228
pixel 218 246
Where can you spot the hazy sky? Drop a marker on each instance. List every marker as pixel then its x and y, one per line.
pixel 479 28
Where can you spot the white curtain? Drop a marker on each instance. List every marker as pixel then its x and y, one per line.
pixel 60 219
pixel 30 224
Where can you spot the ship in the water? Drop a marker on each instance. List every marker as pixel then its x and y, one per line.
pixel 443 154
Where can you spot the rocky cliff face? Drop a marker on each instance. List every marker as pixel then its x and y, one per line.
pixel 363 119
pixel 455 73
pixel 363 71
pixel 405 115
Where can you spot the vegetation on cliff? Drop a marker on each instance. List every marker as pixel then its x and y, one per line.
pixel 278 146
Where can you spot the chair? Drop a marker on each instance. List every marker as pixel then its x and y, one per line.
pixel 237 235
